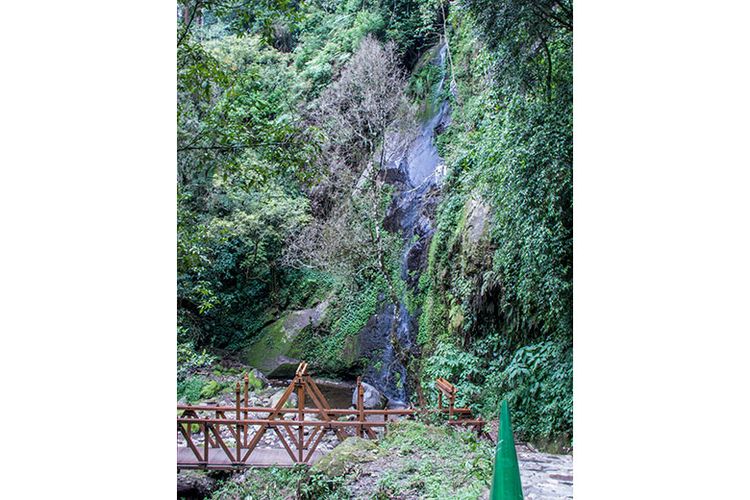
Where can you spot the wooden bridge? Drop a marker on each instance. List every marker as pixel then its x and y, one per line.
pixel 299 435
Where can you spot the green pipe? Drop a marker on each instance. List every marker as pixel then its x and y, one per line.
pixel 506 478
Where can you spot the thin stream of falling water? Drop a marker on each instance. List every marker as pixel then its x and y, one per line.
pixel 421 169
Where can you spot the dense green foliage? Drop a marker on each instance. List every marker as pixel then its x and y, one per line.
pixel 277 483
pixel 438 462
pixel 240 160
pixel 332 345
pixel 498 312
pixel 246 165
pixel 271 216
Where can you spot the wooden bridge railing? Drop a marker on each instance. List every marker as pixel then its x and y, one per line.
pixel 245 429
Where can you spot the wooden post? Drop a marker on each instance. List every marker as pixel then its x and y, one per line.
pixel 238 436
pixel 478 427
pixel 301 418
pixel 214 442
pixel 205 442
pixel 247 403
pixel 452 401
pixel 360 407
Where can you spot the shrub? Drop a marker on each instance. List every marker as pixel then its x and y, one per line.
pixel 190 389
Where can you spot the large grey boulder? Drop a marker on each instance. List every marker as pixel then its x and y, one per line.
pixel 372 398
pixel 290 402
pixel 275 350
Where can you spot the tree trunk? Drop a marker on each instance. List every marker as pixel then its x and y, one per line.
pixel 549 69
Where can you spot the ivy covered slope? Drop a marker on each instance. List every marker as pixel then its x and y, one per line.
pixel 283 109
pixel 498 307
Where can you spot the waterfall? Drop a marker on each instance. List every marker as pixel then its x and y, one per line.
pixel 416 174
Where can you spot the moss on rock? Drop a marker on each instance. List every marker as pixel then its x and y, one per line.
pixel 277 350
pixel 342 458
pixel 269 353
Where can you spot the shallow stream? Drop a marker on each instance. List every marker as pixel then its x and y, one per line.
pixel 338 394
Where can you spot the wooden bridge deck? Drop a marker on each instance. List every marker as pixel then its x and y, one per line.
pixel 261 457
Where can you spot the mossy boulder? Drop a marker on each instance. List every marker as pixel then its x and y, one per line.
pixel 345 456
pixel 276 353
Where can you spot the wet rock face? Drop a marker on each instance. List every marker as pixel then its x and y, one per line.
pixel 394 174
pixel 371 399
pixel 386 371
pixel 374 335
pixel 375 342
pixel 416 172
